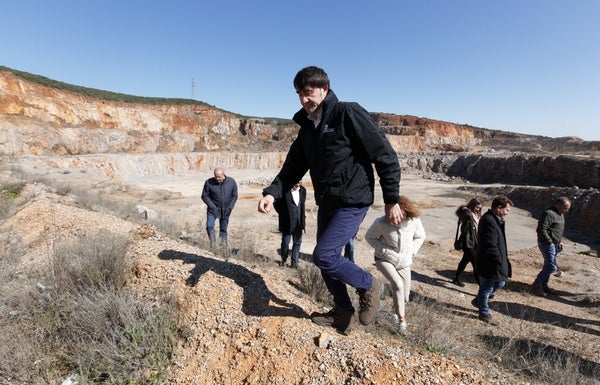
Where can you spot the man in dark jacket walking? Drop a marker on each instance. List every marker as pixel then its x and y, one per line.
pixel 220 194
pixel 338 143
pixel 492 264
pixel 292 220
pixel 550 228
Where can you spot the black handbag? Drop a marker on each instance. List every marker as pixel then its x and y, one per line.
pixel 458 241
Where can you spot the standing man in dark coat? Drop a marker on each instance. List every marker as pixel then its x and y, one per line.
pixel 338 143
pixel 292 220
pixel 492 264
pixel 550 228
pixel 220 194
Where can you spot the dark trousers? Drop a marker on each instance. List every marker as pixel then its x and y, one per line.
pixel 468 257
pixel 296 237
pixel 334 229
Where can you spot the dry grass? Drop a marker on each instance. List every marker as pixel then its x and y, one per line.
pixel 78 318
pixel 544 363
pixel 312 283
pixel 440 329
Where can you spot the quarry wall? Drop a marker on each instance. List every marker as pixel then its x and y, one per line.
pixel 129 141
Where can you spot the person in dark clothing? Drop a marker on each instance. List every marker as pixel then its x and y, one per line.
pixel 550 228
pixel 491 261
pixel 220 194
pixel 469 220
pixel 338 142
pixel 292 221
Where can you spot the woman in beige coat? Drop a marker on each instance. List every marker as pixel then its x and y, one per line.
pixel 395 247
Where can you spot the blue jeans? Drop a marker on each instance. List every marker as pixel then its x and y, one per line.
pixel 487 287
pixel 296 236
pixel 210 228
pixel 334 229
pixel 549 253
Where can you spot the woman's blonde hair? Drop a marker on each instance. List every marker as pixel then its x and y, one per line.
pixel 411 210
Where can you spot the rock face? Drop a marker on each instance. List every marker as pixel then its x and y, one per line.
pixel 132 141
pixel 411 133
pixel 136 167
pixel 562 170
pixel 39 120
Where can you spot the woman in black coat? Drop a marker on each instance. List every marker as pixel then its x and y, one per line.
pixel 468 216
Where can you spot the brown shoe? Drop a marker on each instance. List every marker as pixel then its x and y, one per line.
pixel 488 320
pixel 370 302
pixel 538 290
pixel 338 318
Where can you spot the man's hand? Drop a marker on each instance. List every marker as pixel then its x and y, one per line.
pixel 393 214
pixel 265 204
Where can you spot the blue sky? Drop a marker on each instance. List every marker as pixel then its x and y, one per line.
pixel 528 66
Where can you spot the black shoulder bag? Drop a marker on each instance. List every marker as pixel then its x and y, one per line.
pixel 458 241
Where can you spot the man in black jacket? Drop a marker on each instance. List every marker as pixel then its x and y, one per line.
pixel 292 220
pixel 338 143
pixel 492 264
pixel 220 194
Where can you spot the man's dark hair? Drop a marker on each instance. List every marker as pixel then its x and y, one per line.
pixel 501 201
pixel 310 77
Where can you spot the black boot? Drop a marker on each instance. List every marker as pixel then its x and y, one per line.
pixel 457 282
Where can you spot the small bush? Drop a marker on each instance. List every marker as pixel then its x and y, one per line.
pixel 91 261
pixel 548 364
pixel 430 329
pixel 8 193
pixel 115 337
pixel 311 282
pixel 591 253
pixel 13 190
pixel 81 319
pixel 10 257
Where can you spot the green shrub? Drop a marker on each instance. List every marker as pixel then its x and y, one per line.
pixel 8 193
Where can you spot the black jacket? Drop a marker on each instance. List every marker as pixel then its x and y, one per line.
pixel 468 229
pixel 220 197
pixel 491 261
pixel 339 154
pixel 291 216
